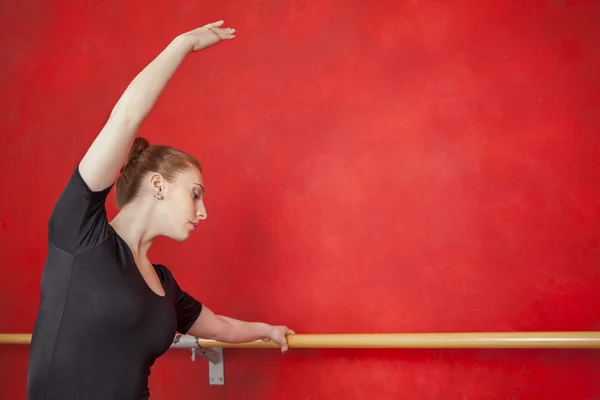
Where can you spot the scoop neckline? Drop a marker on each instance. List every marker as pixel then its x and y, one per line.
pixel 137 270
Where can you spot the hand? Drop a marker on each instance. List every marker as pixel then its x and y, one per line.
pixel 278 334
pixel 208 35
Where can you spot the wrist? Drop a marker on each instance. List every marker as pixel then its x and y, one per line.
pixel 184 40
pixel 266 331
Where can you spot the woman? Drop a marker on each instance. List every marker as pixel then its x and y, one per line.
pixel 106 311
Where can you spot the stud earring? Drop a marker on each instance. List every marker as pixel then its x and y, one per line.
pixel 158 196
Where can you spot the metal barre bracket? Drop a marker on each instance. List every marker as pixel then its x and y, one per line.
pixel 214 356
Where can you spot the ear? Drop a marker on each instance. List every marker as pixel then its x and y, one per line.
pixel 158 185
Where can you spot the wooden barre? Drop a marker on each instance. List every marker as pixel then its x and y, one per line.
pixel 473 340
pixel 15 338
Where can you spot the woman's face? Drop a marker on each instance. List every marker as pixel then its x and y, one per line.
pixel 182 206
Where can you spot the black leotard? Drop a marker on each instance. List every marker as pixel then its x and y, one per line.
pixel 99 327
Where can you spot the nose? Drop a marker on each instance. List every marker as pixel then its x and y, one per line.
pixel 201 211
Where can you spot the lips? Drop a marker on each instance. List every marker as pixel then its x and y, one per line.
pixel 194 224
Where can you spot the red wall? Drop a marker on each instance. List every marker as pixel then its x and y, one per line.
pixel 397 166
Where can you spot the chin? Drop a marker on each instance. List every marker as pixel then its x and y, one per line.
pixel 182 238
pixel 179 236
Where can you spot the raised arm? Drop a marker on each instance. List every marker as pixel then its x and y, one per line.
pixel 105 157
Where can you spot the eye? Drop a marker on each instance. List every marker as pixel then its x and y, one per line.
pixel 195 195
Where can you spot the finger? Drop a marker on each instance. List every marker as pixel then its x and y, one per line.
pixel 284 347
pixel 291 332
pixel 215 24
pixel 223 33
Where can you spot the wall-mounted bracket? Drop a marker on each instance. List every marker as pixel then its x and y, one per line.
pixel 216 370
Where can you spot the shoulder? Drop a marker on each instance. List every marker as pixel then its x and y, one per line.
pixel 78 221
pixel 77 187
pixel 77 180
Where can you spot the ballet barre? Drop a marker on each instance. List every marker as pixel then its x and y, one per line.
pixel 212 350
pixel 472 340
pixel 466 340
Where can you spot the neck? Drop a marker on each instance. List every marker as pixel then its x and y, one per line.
pixel 131 224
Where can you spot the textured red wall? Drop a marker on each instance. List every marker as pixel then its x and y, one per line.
pixel 389 166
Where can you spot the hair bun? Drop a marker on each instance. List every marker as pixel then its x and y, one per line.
pixel 139 145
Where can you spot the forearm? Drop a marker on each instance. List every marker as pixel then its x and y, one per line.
pixel 236 331
pixel 106 155
pixel 142 93
pixel 229 330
